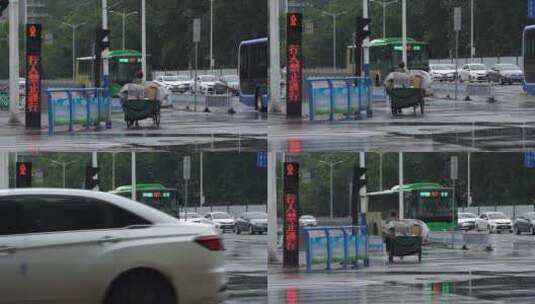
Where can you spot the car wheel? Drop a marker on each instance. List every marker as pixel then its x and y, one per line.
pixel 141 287
pixel 238 231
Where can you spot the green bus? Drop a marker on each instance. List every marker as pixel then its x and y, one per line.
pixel 431 203
pixel 124 64
pixel 387 53
pixel 153 194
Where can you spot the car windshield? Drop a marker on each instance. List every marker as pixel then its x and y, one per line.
pixel 506 67
pixel 207 78
pixel 182 78
pixel 219 216
pixel 497 216
pixel 233 78
pixel 478 67
pixel 256 215
pixel 442 67
pixel 466 215
pixel 307 217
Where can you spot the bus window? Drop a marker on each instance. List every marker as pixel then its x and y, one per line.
pixel 123 70
pixel 529 56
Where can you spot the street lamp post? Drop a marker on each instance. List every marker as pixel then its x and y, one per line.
pixel 73 27
pixel 64 168
pixel 212 61
pixel 384 4
pixel 472 48
pixel 331 167
pixel 124 15
pixel 334 16
pixel 404 30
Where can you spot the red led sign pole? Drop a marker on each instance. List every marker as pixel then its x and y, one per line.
pixel 294 65
pixel 291 215
pixel 33 76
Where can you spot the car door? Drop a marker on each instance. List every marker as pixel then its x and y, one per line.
pixel 68 248
pixel 12 242
pixel 521 224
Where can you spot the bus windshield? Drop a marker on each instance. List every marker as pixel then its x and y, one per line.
pixel 123 72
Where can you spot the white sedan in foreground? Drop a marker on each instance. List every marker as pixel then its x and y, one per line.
pixel 76 246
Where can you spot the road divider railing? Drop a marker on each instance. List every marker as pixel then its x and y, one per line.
pixel 336 244
pixel 464 90
pixel 340 95
pixel 461 240
pixel 70 106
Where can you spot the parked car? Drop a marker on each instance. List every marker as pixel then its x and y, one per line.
pixel 252 222
pixel 176 83
pixel 494 222
pixel 506 73
pixel 307 220
pixel 78 246
pixel 466 221
pixel 232 82
pixel 525 223
pixel 192 217
pixel 222 220
pixel 442 72
pixel 474 72
pixel 206 84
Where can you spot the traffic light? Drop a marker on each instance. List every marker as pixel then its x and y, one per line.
pixel 24 175
pixel 358 183
pixel 100 45
pixel 91 177
pixel 362 33
pixel 3 5
pixel 102 42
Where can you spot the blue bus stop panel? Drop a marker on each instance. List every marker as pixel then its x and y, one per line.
pixel 531 8
pixel 529 159
pixel 261 159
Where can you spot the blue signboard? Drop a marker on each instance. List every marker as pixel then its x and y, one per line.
pixel 529 159
pixel 261 159
pixel 531 8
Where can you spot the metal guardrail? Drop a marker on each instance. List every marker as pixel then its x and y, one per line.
pixel 357 232
pixel 75 98
pixel 359 86
pixel 464 90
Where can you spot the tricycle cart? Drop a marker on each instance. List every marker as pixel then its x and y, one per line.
pixel 139 109
pixel 400 246
pixel 401 98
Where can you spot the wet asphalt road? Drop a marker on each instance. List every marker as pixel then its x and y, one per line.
pixel 246 257
pixel 505 275
pixel 179 129
pixel 448 125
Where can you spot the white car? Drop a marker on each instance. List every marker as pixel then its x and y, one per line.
pixel 494 222
pixel 190 217
pixel 176 83
pixel 442 72
pixel 206 84
pixel 474 72
pixel 232 82
pixel 466 221
pixel 78 246
pixel 307 220
pixel 222 220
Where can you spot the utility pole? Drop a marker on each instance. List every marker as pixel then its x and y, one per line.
pixel 14 64
pixel 73 27
pixel 401 197
pixel 274 53
pixel 134 177
pixel 144 39
pixel 334 16
pixel 105 61
pixel 212 61
pixel 331 169
pixel 272 206
pixel 472 48
pixel 404 30
pixel 201 169
pixel 124 15
pixel 94 163
pixel 363 190
pixel 366 43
